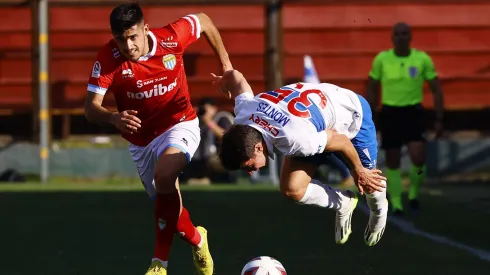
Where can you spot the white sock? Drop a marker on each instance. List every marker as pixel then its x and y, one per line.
pixel 164 263
pixel 202 240
pixel 322 195
pixel 377 201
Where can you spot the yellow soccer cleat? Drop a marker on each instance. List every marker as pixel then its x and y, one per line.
pixel 156 268
pixel 203 262
pixel 343 218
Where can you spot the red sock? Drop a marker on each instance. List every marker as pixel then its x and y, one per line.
pixel 167 207
pixel 186 229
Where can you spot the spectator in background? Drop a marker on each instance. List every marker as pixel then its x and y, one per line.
pixel 205 166
pixel 402 71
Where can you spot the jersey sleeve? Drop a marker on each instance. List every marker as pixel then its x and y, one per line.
pixel 302 145
pixel 429 69
pixel 102 73
pixel 376 68
pixel 188 30
pixel 241 102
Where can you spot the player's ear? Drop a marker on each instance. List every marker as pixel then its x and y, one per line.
pixel 259 148
pixel 146 29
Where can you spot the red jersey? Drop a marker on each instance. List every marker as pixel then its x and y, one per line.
pixel 155 85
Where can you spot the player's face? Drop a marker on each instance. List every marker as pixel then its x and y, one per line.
pixel 133 42
pixel 258 161
pixel 401 36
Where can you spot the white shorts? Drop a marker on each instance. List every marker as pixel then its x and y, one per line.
pixel 184 136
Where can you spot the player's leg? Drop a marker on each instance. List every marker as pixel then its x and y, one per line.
pixel 366 145
pixel 176 149
pixel 416 144
pixel 297 184
pixel 391 141
pixel 145 159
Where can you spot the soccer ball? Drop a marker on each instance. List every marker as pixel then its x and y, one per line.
pixel 263 266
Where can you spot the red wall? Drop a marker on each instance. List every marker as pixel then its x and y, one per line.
pixel 342 40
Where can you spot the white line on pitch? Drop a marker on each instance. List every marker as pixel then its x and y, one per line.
pixel 412 230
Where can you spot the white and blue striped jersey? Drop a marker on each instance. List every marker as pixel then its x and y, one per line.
pixel 293 118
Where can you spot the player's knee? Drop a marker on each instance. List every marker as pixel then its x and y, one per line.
pixel 165 182
pixel 392 161
pixel 393 154
pixel 295 194
pixel 166 179
pixel 418 161
pixel 417 153
pixel 169 166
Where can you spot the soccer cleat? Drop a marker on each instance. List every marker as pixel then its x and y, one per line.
pixel 343 219
pixel 203 262
pixel 156 268
pixel 376 225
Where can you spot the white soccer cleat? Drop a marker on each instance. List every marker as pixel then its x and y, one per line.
pixel 376 225
pixel 343 218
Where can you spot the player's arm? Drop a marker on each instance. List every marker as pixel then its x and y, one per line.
pixel 232 83
pixel 95 113
pixel 373 85
pixel 435 86
pixel 340 143
pixel 209 30
pixel 98 84
pixel 365 178
pixel 125 121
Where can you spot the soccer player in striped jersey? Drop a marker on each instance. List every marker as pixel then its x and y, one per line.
pixel 304 122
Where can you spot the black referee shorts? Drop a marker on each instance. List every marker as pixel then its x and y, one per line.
pixel 400 125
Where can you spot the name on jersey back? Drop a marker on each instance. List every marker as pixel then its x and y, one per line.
pixel 273 113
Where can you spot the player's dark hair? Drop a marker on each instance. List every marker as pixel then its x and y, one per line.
pixel 238 146
pixel 125 16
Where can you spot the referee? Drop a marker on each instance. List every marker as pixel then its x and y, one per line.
pixel 401 73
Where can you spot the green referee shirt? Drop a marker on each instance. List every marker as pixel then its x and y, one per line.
pixel 402 77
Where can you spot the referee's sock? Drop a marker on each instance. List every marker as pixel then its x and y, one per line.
pixel 417 176
pixel 395 188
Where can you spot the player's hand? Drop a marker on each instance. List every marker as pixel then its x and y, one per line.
pixel 439 129
pixel 368 180
pixel 127 121
pixel 218 83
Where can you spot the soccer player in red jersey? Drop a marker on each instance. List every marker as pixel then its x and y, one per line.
pixel 144 70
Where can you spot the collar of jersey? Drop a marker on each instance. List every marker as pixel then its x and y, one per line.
pixel 153 50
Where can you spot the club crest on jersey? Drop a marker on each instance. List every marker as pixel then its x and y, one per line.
pixel 169 61
pixel 413 72
pixel 96 70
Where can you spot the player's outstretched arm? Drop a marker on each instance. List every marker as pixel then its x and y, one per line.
pixel 365 178
pixel 214 39
pixel 126 121
pixel 232 83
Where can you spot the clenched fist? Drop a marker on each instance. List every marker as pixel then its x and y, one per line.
pixel 127 121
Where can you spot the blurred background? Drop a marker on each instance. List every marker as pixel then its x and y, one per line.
pixel 268 42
